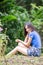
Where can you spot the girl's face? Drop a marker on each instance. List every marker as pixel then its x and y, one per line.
pixel 28 30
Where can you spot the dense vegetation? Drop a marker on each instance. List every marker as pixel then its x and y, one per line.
pixel 13 15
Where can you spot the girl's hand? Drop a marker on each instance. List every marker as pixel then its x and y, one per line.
pixel 17 40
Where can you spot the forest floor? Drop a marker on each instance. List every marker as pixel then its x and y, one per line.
pixel 22 60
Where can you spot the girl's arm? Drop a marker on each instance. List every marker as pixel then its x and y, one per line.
pixel 27 44
pixel 26 39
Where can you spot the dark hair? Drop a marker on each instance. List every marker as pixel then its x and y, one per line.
pixel 29 24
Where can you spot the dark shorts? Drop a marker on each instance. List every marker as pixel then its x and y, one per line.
pixel 33 51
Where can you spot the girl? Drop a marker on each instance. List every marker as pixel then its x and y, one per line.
pixel 31 46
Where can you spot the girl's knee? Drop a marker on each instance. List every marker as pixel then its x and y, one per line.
pixel 19 44
pixel 17 47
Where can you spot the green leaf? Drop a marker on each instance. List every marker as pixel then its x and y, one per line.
pixel 9 18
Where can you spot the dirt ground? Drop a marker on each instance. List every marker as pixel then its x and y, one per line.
pixel 22 60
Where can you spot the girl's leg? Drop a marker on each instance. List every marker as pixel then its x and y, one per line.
pixel 21 45
pixel 19 49
pixel 22 50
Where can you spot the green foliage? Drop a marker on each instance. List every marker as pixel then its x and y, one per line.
pixel 9 18
pixel 37 16
pixel 13 18
pixel 3 43
pixel 26 3
pixel 6 5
